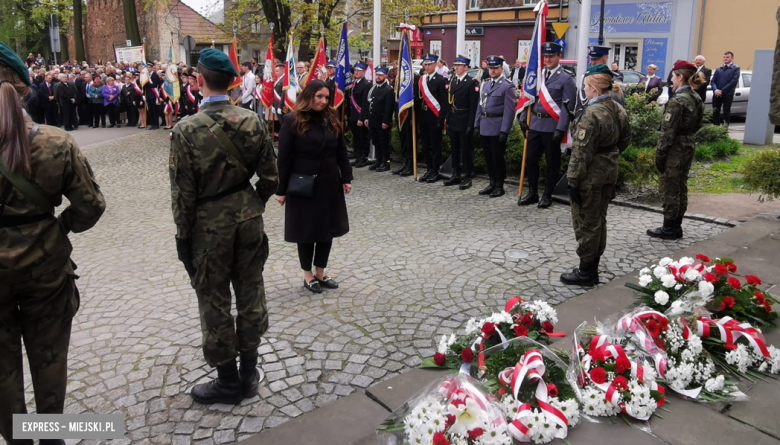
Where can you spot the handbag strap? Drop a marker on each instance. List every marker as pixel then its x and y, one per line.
pixel 25 187
pixel 223 138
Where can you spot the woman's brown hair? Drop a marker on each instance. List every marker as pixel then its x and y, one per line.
pixel 602 82
pixel 691 77
pixel 303 110
pixel 14 144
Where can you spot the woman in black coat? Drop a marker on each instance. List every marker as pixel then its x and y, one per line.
pixel 311 143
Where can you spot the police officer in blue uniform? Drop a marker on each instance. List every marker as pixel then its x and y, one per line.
pixel 378 117
pixel 599 55
pixel 357 100
pixel 433 107
pixel 463 95
pixel 495 113
pixel 545 132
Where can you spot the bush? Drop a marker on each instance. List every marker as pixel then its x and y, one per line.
pixel 630 153
pixel 704 153
pixel 707 116
pixel 644 166
pixel 645 121
pixel 711 133
pixel 626 173
pixel 761 174
pixel 725 148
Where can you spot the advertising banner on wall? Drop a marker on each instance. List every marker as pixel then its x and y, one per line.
pixel 130 54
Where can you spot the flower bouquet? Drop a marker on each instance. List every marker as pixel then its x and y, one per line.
pixel 453 410
pixel 530 380
pixel 689 285
pixel 611 382
pixel 533 319
pixel 680 361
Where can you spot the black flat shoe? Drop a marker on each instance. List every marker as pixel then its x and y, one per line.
pixel 314 286
pixel 327 282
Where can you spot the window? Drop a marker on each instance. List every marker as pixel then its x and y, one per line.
pixel 474 4
pixel 435 47
pixel 255 26
pixel 366 25
pixel 746 79
pixel 530 2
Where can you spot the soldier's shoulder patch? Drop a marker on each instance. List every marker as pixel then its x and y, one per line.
pixel 581 134
pixel 668 117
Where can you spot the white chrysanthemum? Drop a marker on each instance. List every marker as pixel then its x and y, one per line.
pixel 694 344
pixel 471 326
pixel 668 280
pixel 661 297
pixel 774 357
pixel 739 357
pixel 542 311
pixel 705 289
pixel 715 384
pixel 498 318
pixel 686 261
pixel 678 286
pixel 660 271
pixel 645 271
pixel 569 407
pixel 645 280
pixel 665 261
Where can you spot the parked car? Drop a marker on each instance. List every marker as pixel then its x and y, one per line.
pixel 741 96
pixel 632 78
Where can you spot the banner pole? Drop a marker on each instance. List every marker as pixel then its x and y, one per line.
pixel 525 152
pixel 414 142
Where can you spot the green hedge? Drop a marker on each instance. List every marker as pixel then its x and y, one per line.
pixel 761 174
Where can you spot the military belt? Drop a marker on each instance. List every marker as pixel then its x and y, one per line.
pixel 607 149
pixel 457 111
pixel 227 192
pixel 541 115
pixel 492 114
pixel 20 220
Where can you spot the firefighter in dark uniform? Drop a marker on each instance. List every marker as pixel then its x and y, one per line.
pixel 330 81
pixel 546 132
pixel 378 118
pixel 463 95
pixel 433 111
pixel 407 142
pixel 357 100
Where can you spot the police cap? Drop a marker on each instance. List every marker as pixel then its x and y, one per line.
pixel 331 64
pixel 462 60
pixel 216 60
pixel 596 51
pixel 551 49
pixel 495 61
pixel 10 59
pixel 430 58
pixel 381 70
pixel 359 66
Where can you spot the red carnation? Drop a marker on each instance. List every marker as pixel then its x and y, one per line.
pixel 488 329
pixel 767 306
pixel 439 359
pixel 753 280
pixel 501 392
pixel 547 326
pixel 721 269
pixel 728 302
pixel 653 328
pixel 527 320
pixel 734 283
pixel 440 439
pixel 732 267
pixel 622 364
pixel 703 258
pixel 476 432
pixel 450 419
pixel 710 277
pixel 760 297
pixel 467 355
pixel 598 375
pixel 597 355
pixel 552 390
pixel 521 331
pixel 620 383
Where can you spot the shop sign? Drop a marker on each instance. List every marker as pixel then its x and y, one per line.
pixel 633 17
pixel 475 31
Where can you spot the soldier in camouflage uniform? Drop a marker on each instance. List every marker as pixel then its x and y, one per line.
pixel 601 133
pixel 220 237
pixel 673 158
pixel 38 294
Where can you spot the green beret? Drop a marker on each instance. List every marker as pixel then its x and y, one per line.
pixel 9 58
pixel 216 60
pixel 598 69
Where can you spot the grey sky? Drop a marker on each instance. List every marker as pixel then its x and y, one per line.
pixel 205 7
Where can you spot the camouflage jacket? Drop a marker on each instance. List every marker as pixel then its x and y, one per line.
pixel 201 169
pixel 682 119
pixel 601 133
pixel 58 168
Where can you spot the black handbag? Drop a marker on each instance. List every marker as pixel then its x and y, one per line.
pixel 303 185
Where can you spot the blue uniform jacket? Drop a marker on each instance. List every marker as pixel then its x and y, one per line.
pixel 725 78
pixel 562 89
pixel 497 104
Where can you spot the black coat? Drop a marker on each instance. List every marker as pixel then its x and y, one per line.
pixel 359 94
pixel 64 92
pixel 438 88
pixel 81 90
pixel 379 108
pixel 323 217
pixel 702 90
pixel 464 101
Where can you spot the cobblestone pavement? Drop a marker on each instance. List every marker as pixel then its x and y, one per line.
pixel 420 260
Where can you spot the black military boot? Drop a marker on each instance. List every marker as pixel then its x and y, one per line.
pixel 425 176
pixel 226 388
pixel 531 198
pixel 362 163
pixel 489 189
pixel 434 176
pixel 580 276
pixel 667 231
pixel 250 375
pixel 384 166
pixel 454 180
pixel 375 164
pixel 596 270
pixel 398 170
pixel 408 170
pixel 546 200
pixel 498 191
pixel 678 227
pixel 466 184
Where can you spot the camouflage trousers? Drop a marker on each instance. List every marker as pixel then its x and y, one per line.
pixel 673 183
pixel 590 220
pixel 231 255
pixel 39 312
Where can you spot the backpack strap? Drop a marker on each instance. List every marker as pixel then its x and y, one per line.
pixel 25 187
pixel 223 138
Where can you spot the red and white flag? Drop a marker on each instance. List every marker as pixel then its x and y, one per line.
pixel 267 94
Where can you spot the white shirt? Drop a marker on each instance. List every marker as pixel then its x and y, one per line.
pixel 249 87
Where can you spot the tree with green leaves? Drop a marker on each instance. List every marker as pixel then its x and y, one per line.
pixel 78 31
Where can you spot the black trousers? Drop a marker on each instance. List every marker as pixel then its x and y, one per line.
pixel 85 114
pixel 495 158
pixel 541 143
pixel 52 114
pixel 431 136
pixel 317 253
pixel 407 144
pixel 359 140
pixel 462 152
pixel 113 114
pixel 69 118
pixel 152 118
pixel 381 140
pixel 718 103
pixel 132 115
pixel 98 114
pixel 247 105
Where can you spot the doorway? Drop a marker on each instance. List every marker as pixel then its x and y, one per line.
pixel 626 54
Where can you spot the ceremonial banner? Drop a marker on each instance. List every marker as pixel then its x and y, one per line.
pixel 171 83
pixel 144 77
pixel 234 58
pixel 405 81
pixel 535 65
pixel 317 70
pixel 343 76
pixel 290 82
pixel 267 95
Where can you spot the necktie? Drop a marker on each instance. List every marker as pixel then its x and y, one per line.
pixel 547 76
